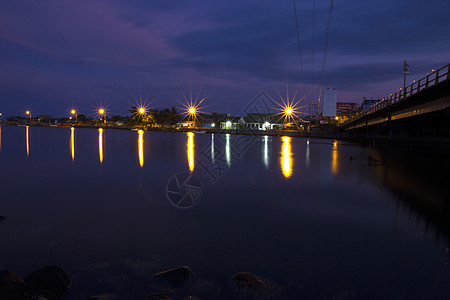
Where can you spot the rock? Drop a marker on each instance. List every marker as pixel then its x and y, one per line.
pixel 42 295
pixel 248 280
pixel 103 297
pixel 174 277
pixel 159 296
pixel 10 282
pixel 51 278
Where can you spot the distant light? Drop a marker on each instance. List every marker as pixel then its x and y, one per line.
pixel 228 124
pixel 101 111
pixel 288 111
pixel 73 111
pixel 212 125
pixel 337 118
pixel 192 110
pixel 141 110
pixel 27 112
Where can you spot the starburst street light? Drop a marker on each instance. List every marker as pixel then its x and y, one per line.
pixel 28 113
pixel 101 111
pixel 192 109
pixel 74 112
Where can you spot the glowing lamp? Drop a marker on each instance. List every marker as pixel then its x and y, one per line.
pixel 73 111
pixel 101 111
pixel 192 110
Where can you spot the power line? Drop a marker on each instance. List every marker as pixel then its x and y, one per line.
pixel 313 40
pixel 298 42
pixel 330 14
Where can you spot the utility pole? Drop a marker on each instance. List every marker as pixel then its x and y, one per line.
pixel 405 71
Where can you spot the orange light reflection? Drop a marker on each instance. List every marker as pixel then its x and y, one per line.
pixel 286 159
pixel 72 142
pixel 100 144
pixel 141 147
pixel 190 151
pixel 28 143
pixel 334 159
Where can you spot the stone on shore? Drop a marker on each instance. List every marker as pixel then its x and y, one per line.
pixel 248 280
pixel 51 278
pixel 176 277
pixel 10 282
pixel 159 296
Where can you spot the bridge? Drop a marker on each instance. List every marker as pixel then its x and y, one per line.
pixel 420 112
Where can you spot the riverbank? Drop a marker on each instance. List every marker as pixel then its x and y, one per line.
pixel 314 134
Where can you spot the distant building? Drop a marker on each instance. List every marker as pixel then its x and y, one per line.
pixel 263 121
pixel 346 109
pixel 329 103
pixel 232 123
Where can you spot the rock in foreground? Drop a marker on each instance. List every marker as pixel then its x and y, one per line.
pixel 10 282
pixel 51 278
pixel 175 277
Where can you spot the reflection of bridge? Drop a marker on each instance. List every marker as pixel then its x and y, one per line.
pixel 420 111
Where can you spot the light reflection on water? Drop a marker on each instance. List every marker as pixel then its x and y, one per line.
pixel 266 151
pixel 27 142
pixel 100 144
pixel 190 151
pixel 334 158
pixel 141 147
pixel 286 158
pixel 72 142
pixel 322 220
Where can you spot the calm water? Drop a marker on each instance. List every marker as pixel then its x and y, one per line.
pixel 309 216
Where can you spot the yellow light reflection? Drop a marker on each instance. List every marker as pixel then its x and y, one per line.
pixel 72 142
pixel 141 147
pixel 100 144
pixel 28 143
pixel 286 159
pixel 334 159
pixel 190 150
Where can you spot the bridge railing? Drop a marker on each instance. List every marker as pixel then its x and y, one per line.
pixel 431 79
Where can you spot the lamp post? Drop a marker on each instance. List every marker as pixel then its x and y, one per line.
pixel 405 71
pixel 142 112
pixel 102 113
pixel 74 112
pixel 28 113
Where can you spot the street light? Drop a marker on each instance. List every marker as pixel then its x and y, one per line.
pixel 101 112
pixel 74 112
pixel 288 111
pixel 28 113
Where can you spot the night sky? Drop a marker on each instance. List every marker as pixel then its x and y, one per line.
pixel 57 54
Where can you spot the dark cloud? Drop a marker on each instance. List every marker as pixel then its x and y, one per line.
pixel 59 51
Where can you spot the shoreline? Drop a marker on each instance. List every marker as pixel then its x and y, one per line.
pixel 319 133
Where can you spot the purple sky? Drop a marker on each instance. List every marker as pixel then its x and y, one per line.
pixel 56 54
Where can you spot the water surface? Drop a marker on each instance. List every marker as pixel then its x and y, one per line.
pixel 313 217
